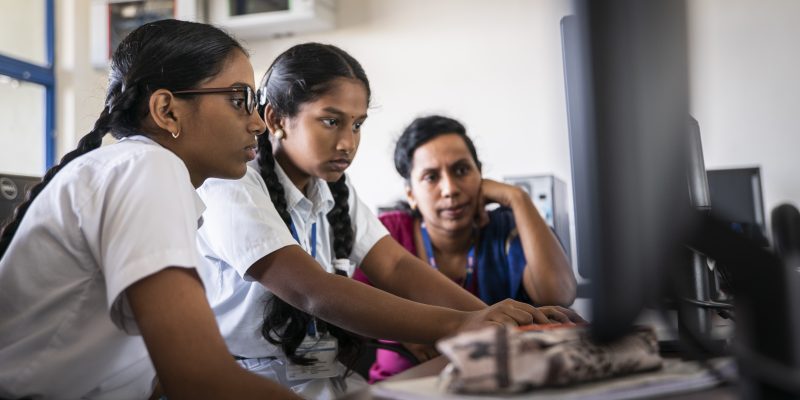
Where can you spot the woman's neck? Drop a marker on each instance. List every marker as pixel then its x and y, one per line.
pixel 450 242
pixel 299 178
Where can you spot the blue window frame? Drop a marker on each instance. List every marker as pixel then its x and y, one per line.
pixel 40 75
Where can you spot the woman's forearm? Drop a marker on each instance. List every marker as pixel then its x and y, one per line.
pixel 548 276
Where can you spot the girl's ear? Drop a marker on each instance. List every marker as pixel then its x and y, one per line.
pixel 165 111
pixel 272 119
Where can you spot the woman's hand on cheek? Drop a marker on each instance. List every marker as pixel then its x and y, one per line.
pixel 497 192
pixel 481 215
pixel 492 191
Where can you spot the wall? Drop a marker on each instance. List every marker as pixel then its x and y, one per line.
pixel 746 91
pixel 80 88
pixel 496 66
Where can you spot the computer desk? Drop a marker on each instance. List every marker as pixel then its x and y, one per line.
pixel 434 366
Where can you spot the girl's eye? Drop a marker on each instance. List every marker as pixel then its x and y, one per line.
pixel 462 171
pixel 237 102
pixel 429 178
pixel 357 126
pixel 330 122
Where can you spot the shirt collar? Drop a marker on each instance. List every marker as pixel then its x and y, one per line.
pixel 200 208
pixel 139 138
pixel 319 198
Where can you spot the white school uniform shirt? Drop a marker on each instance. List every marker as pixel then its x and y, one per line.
pixel 108 219
pixel 241 226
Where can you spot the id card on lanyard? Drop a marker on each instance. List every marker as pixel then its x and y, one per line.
pixel 321 347
pixel 322 350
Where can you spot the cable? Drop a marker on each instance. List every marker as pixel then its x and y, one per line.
pixel 708 304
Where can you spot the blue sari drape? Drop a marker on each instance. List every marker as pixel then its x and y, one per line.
pixel 501 260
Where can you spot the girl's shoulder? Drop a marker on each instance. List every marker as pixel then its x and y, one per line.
pixel 128 162
pixel 138 151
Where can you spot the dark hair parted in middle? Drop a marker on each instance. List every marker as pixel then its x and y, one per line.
pixel 421 131
pixel 300 75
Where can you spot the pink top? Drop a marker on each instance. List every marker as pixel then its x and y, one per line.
pixel 401 226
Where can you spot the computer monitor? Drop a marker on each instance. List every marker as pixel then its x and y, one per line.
pixel 629 127
pixel 736 199
pixel 13 190
pixel 627 93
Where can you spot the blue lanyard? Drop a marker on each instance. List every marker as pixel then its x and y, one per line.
pixel 312 239
pixel 312 325
pixel 426 239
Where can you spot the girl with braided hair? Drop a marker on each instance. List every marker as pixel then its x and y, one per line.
pixel 98 267
pixel 283 242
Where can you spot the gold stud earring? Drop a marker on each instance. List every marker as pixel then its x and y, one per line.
pixel 176 134
pixel 279 134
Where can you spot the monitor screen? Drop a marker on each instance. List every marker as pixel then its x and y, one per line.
pixel 736 199
pixel 627 94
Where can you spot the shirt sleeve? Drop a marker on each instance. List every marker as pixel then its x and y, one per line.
pixel 368 228
pixel 147 222
pixel 241 225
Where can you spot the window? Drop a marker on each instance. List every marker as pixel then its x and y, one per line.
pixel 27 88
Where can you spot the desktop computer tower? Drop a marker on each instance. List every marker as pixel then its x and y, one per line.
pixel 549 195
pixel 13 190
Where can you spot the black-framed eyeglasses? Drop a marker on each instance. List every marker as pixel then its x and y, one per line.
pixel 249 95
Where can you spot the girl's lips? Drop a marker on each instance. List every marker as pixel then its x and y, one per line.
pixel 453 212
pixel 339 165
pixel 250 152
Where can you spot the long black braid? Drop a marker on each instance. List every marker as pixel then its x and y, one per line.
pixel 339 218
pixel 299 75
pixel 279 314
pixel 167 54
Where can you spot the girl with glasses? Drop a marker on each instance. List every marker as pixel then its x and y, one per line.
pixel 283 242
pixel 97 268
